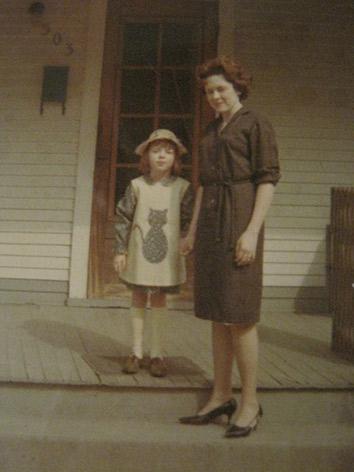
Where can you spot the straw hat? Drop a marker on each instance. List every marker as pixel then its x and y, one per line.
pixel 157 135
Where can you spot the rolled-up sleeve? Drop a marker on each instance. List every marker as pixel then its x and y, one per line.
pixel 125 214
pixel 264 153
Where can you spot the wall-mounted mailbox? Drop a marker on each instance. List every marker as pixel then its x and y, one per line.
pixel 54 87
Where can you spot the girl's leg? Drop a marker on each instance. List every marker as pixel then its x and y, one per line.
pixel 137 311
pixel 158 319
pixel 223 359
pixel 245 342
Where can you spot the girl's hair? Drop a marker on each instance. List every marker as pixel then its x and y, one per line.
pixel 232 71
pixel 144 164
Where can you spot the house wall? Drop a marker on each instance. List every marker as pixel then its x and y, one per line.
pixel 38 153
pixel 300 54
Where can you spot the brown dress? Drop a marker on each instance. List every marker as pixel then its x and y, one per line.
pixel 232 164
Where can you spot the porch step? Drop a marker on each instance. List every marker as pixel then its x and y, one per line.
pixel 90 430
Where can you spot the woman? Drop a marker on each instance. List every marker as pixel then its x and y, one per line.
pixel 238 171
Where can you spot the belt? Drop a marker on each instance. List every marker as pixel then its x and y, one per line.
pixel 225 208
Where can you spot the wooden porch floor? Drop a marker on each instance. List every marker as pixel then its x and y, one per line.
pixel 86 346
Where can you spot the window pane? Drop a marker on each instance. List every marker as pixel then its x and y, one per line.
pixel 178 45
pixel 138 91
pixel 124 176
pixel 184 130
pixel 140 44
pixel 132 132
pixel 176 91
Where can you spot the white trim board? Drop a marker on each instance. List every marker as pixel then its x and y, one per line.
pixel 87 150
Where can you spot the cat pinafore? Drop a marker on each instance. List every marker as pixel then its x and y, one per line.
pixel 150 218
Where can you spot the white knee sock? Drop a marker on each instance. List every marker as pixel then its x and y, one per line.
pixel 137 319
pixel 158 320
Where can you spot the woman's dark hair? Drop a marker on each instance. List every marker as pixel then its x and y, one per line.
pixel 232 71
pixel 144 164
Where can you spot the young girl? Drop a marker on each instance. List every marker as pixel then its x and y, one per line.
pixel 156 207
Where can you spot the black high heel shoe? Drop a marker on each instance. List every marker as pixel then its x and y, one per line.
pixel 228 408
pixel 241 431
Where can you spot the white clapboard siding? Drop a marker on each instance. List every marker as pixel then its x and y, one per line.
pixel 9 123
pixel 316 166
pixel 41 193
pixel 38 170
pixel 28 107
pixel 285 222
pixel 34 262
pixel 300 55
pixel 295 268
pixel 35 227
pixel 37 203
pixel 38 152
pixel 305 211
pixel 26 158
pixel 307 199
pixel 36 181
pixel 295 257
pixel 294 280
pixel 322 144
pixel 34 250
pixel 40 147
pixel 311 132
pixel 294 246
pixel 31 238
pixel 299 188
pixel 304 154
pixel 332 179
pixel 36 215
pixel 294 234
pixel 33 273
pixel 39 136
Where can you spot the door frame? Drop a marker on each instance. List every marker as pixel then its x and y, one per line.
pixel 98 286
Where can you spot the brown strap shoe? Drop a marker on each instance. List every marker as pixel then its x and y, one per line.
pixel 158 367
pixel 132 365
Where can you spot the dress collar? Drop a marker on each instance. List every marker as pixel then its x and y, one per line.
pixel 241 111
pixel 165 181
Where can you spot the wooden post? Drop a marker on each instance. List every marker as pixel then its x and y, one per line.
pixel 341 264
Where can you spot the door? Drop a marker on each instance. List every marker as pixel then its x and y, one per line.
pixel 151 50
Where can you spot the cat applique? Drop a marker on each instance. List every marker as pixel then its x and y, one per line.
pixel 155 245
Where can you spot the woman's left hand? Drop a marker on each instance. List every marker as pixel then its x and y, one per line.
pixel 245 250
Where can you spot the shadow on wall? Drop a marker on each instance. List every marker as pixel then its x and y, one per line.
pixel 314 299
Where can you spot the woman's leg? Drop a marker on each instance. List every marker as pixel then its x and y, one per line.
pixel 245 343
pixel 223 358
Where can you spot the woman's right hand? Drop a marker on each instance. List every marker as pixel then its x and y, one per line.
pixel 245 249
pixel 119 262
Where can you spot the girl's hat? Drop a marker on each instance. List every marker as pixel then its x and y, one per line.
pixel 160 134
